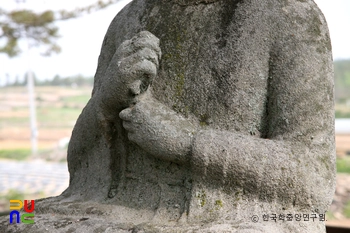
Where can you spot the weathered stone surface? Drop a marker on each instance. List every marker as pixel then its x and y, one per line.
pixel 237 122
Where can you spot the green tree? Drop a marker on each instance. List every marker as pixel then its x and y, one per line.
pixel 38 29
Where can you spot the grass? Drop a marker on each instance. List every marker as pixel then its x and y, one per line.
pixel 16 154
pixel 343 166
pixel 81 99
pixel 57 108
pixel 13 194
pixel 341 114
pixel 62 115
pixel 342 110
pixel 52 154
pixel 330 215
pixel 346 210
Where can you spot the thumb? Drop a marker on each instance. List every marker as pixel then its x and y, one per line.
pixel 125 115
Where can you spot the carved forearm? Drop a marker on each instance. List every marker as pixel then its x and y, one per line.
pixel 265 169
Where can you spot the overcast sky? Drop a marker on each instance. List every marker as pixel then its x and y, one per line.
pixel 81 38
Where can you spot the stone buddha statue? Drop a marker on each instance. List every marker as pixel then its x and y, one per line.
pixel 208 116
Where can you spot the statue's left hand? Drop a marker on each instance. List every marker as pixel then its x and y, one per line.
pixel 159 130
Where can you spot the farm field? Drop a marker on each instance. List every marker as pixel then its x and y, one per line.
pixel 57 111
pixel 342 144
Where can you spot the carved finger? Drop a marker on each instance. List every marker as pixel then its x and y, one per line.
pixel 125 49
pixel 147 69
pixel 140 76
pixel 143 54
pixel 149 54
pixel 126 115
pixel 146 40
pixel 142 41
pixel 135 88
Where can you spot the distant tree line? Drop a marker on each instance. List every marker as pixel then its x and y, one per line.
pixel 74 81
pixel 342 80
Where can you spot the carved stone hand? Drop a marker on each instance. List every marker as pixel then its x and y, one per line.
pixel 159 130
pixel 130 72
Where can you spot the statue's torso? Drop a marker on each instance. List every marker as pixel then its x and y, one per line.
pixel 202 70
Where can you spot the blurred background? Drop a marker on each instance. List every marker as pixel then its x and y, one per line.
pixel 48 56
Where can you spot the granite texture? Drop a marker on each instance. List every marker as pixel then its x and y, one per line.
pixel 204 115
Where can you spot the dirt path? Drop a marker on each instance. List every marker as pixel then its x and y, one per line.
pixel 343 144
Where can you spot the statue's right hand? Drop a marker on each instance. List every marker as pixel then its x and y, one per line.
pixel 138 61
pixel 131 70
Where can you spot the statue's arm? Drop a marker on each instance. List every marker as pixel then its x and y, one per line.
pixel 131 68
pixel 296 160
